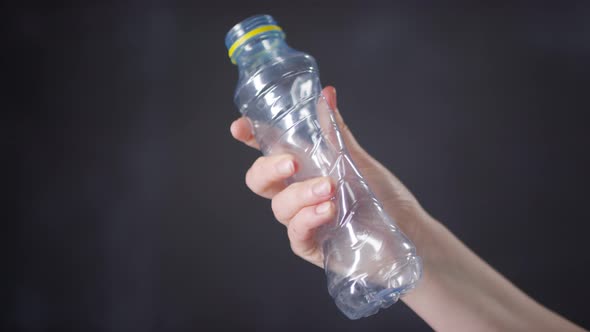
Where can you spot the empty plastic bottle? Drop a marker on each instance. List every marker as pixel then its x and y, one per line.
pixel 369 262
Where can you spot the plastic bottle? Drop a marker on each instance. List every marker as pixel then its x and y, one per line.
pixel 369 262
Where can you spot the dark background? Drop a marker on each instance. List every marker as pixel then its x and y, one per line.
pixel 132 212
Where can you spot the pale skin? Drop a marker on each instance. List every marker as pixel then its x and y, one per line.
pixel 458 290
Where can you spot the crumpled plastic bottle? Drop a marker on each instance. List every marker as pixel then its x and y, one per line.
pixel 369 262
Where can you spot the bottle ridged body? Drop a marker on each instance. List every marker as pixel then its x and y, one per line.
pixel 369 262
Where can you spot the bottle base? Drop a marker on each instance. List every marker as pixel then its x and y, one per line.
pixel 358 298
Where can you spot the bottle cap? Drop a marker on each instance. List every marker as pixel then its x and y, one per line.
pixel 247 29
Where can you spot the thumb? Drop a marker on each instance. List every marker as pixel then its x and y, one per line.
pixel 353 146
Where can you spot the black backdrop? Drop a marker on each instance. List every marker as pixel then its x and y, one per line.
pixel 132 210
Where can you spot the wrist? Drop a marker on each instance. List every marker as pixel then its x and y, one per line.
pixel 426 235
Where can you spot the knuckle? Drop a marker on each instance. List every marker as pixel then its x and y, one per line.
pixel 291 194
pixel 277 210
pixel 295 249
pixel 294 189
pixel 258 165
pixel 293 232
pixel 249 179
pixel 248 176
pixel 253 175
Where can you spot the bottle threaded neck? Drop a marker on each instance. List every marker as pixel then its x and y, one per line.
pixel 254 26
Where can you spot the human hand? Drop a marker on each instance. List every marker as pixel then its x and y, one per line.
pixel 304 206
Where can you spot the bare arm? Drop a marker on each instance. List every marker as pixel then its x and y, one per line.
pixel 458 292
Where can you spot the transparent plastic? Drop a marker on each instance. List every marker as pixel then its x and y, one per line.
pixel 369 262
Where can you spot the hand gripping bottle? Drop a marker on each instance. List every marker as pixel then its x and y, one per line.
pixel 369 262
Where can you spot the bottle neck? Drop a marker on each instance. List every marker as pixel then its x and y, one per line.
pixel 258 51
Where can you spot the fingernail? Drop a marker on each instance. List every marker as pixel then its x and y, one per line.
pixel 323 208
pixel 285 167
pixel 322 188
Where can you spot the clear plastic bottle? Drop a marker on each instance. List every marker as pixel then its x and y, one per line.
pixel 369 262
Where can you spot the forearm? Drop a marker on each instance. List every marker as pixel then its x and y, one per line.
pixel 460 292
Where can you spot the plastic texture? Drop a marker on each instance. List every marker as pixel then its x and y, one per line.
pixel 369 262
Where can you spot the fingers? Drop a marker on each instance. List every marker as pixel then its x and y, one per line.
pixel 267 175
pixel 242 131
pixel 329 93
pixel 302 228
pixel 297 196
